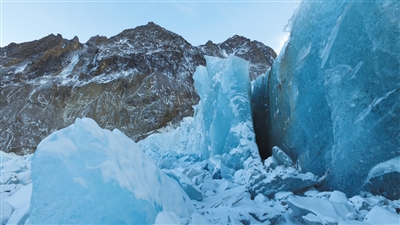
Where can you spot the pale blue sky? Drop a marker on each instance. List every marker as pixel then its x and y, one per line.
pixel 196 21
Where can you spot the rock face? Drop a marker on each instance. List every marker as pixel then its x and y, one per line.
pixel 260 56
pixel 331 101
pixel 137 81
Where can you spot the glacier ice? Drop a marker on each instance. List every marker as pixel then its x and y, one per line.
pixel 222 127
pixel 331 100
pixel 224 111
pixel 84 174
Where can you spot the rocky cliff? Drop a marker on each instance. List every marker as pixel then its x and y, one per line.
pixel 137 81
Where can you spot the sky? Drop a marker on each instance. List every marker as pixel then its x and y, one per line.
pixel 196 21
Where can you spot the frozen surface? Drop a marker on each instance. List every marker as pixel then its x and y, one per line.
pixel 331 100
pixel 99 176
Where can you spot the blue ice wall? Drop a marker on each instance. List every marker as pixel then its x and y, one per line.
pixel 333 94
pixel 223 115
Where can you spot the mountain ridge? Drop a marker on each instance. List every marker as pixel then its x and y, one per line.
pixel 137 81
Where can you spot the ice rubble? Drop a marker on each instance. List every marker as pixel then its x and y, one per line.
pixel 331 100
pixel 15 186
pixel 224 202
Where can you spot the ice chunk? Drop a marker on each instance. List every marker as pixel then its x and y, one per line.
pixel 98 176
pixel 383 179
pixel 281 156
pixel 379 215
pixel 320 210
pixel 167 217
pixel 20 202
pixel 332 96
pixel 338 196
pixel 191 190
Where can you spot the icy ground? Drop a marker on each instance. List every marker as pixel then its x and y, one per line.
pixel 223 201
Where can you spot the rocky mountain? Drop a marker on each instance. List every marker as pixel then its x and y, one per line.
pixel 137 81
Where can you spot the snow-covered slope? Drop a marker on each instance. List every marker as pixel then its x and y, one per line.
pixel 137 81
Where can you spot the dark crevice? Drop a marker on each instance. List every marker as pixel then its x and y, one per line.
pixel 260 114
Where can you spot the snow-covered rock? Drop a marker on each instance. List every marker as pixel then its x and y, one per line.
pixel 99 176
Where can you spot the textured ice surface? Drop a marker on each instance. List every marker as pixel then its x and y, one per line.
pixel 222 125
pixel 332 100
pixel 84 174
pixel 224 111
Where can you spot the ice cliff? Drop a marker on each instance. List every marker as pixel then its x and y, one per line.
pixel 331 100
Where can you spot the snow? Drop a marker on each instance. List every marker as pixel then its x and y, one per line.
pixel 21 68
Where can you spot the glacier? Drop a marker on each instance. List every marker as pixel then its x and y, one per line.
pixel 320 126
pixel 176 176
pixel 331 100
